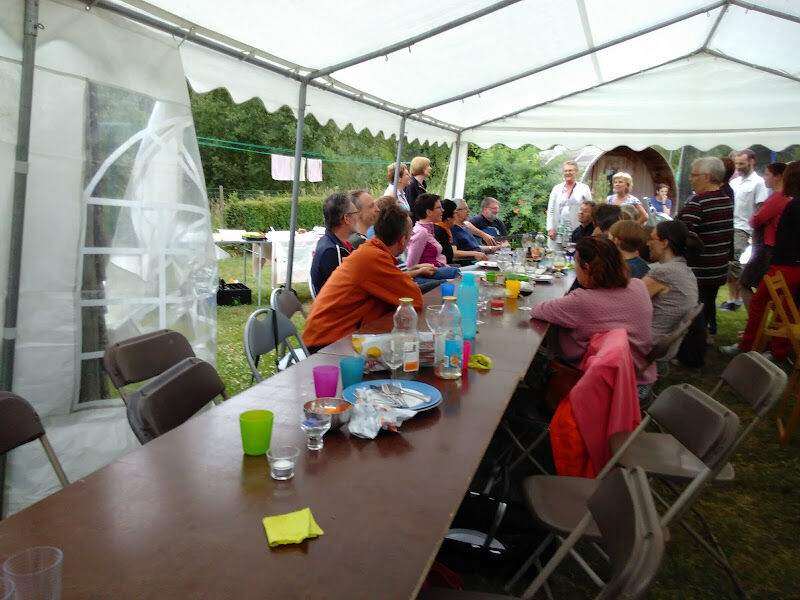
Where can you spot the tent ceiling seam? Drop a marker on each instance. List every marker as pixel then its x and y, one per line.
pixel 764 10
pixel 575 56
pixel 638 131
pixel 714 27
pixel 755 66
pixel 408 42
pixel 587 33
pixel 577 92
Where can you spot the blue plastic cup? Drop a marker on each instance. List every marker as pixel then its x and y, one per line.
pixel 352 368
pixel 448 289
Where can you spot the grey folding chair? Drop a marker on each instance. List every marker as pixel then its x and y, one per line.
pixel 701 435
pixel 622 513
pixel 666 347
pixel 286 302
pixel 20 424
pixel 143 357
pixel 267 330
pixel 172 397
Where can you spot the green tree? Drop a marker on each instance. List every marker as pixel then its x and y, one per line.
pixel 519 179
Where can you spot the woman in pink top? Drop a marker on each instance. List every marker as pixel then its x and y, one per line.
pixel 764 224
pixel 610 299
pixel 423 247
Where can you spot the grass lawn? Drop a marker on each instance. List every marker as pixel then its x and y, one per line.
pixel 757 519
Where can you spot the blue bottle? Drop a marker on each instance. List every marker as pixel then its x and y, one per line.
pixel 468 305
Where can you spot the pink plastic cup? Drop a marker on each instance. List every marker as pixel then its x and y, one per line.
pixel 467 349
pixel 326 380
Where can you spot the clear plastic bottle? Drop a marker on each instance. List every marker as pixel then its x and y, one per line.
pixel 406 334
pixel 467 301
pixel 450 341
pixel 539 246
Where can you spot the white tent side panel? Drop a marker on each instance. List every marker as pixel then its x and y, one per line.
pixel 113 151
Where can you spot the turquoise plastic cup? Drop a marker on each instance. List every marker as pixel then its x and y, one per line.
pixel 352 368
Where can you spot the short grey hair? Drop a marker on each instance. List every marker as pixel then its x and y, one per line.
pixel 335 207
pixel 710 165
pixel 355 197
pixel 570 162
pixel 488 201
pixel 460 202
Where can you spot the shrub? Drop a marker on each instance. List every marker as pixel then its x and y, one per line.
pixel 519 179
pixel 261 213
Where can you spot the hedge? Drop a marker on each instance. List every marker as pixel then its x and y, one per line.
pixel 261 213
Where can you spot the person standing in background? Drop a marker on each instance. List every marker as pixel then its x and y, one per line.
pixel 402 183
pixel 565 201
pixel 420 171
pixel 749 192
pixel 709 214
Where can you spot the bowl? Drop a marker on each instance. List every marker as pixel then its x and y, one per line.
pixel 337 408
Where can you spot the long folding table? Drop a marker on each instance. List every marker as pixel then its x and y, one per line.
pixel 181 516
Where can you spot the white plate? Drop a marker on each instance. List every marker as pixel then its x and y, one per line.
pixel 541 278
pixel 487 264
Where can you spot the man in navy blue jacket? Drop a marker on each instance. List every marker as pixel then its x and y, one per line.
pixel 339 213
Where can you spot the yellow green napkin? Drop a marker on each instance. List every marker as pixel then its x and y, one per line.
pixel 480 362
pixel 291 528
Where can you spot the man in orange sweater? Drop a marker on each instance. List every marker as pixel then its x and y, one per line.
pixel 366 286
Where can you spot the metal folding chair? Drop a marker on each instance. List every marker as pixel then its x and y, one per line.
pixel 171 398
pixel 20 424
pixel 143 357
pixel 622 513
pixel 266 330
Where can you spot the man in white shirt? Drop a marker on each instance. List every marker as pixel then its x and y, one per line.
pixel 749 193
pixel 565 201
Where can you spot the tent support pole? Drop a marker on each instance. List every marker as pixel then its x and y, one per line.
pixel 30 29
pixel 455 166
pixel 298 156
pixel 397 163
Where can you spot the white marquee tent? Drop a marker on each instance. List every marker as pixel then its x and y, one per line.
pixel 116 229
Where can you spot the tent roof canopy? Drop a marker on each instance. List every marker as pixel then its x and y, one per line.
pixel 577 72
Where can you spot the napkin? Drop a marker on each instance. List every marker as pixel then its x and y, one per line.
pixel 291 528
pixel 368 416
pixel 480 362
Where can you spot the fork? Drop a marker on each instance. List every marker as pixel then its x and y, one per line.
pixel 396 392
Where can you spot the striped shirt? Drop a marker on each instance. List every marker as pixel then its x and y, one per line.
pixel 710 216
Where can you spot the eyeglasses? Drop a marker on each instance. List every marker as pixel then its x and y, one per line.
pixel 355 212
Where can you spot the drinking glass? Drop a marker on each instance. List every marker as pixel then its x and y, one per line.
pixel 393 357
pixel 36 573
pixel 525 290
pixel 6 589
pixel 315 425
pixel 281 462
pixel 559 263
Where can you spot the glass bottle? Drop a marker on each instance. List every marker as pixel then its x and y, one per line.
pixel 405 335
pixel 451 341
pixel 539 245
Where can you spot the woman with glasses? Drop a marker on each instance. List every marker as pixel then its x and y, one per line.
pixel 423 247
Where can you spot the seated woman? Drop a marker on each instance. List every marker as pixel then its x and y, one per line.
pixel 441 229
pixel 670 282
pixel 609 299
pixel 629 237
pixel 423 247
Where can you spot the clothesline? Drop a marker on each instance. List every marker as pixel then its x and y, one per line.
pixel 268 150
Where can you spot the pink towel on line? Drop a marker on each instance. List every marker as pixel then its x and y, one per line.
pixel 281 167
pixel 314 166
pixel 605 400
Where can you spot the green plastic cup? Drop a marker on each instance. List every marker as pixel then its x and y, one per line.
pixel 256 427
pixel 490 276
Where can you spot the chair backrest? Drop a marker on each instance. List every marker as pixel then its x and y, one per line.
pixel 782 299
pixel 173 397
pixel 701 424
pixel 265 330
pixel 20 424
pixel 286 302
pixel 144 356
pixel 666 346
pixel 758 381
pixel 624 511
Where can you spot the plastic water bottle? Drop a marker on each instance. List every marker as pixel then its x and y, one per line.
pixel 539 245
pixel 450 359
pixel 468 305
pixel 406 334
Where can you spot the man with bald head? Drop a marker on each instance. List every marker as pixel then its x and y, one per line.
pixel 367 214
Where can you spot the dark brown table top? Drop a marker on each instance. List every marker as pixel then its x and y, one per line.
pixel 181 517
